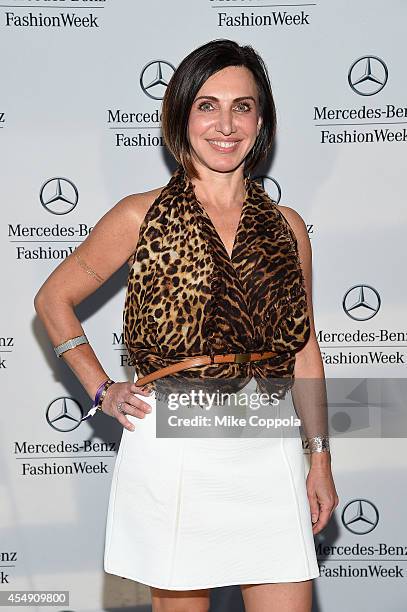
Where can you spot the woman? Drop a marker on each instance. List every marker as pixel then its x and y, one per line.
pixel 218 273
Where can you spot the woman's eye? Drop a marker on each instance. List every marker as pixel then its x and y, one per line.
pixel 205 106
pixel 243 107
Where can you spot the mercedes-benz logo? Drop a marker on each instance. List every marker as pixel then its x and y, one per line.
pixel 155 77
pixel 270 186
pixel 361 302
pixel 64 414
pixel 360 516
pixel 59 196
pixel 367 75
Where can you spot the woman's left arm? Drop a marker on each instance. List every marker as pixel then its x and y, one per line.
pixel 309 392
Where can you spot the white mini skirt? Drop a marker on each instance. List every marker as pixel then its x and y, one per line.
pixel 193 513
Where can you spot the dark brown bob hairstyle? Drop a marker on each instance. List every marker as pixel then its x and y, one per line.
pixel 187 80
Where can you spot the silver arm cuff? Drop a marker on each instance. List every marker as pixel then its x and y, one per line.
pixel 69 344
pixel 318 444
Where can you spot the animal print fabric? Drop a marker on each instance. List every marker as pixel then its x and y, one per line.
pixel 186 296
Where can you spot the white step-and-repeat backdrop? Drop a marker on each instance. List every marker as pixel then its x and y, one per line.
pixel 81 89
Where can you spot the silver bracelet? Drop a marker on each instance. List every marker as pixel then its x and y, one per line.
pixel 318 444
pixel 69 344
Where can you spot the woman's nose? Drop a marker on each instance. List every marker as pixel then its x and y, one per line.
pixel 225 123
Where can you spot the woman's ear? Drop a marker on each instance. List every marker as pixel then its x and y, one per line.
pixel 259 124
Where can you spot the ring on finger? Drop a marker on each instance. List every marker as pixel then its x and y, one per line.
pixel 119 407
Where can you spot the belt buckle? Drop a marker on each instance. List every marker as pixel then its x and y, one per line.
pixel 242 357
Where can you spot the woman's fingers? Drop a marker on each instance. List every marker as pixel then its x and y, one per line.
pixel 123 420
pixel 323 499
pixel 136 402
pixel 314 507
pixel 124 394
pixel 134 388
pixel 326 509
pixel 323 519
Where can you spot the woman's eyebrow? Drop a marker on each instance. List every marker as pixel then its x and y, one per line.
pixel 217 99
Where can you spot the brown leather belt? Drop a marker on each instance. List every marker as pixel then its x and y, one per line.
pixel 199 360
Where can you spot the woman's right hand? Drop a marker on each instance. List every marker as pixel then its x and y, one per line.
pixel 123 392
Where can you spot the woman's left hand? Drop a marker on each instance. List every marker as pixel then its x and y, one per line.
pixel 322 495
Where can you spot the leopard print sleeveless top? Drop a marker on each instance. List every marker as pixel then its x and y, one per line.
pixel 186 296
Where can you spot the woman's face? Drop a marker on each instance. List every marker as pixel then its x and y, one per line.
pixel 224 120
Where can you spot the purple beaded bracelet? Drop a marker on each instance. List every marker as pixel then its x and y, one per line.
pixel 100 394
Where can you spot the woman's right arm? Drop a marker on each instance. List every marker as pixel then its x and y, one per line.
pixel 109 245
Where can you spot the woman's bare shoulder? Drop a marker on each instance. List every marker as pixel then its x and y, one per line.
pixel 136 205
pixel 133 208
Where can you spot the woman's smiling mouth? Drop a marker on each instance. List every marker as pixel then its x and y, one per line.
pixel 224 145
